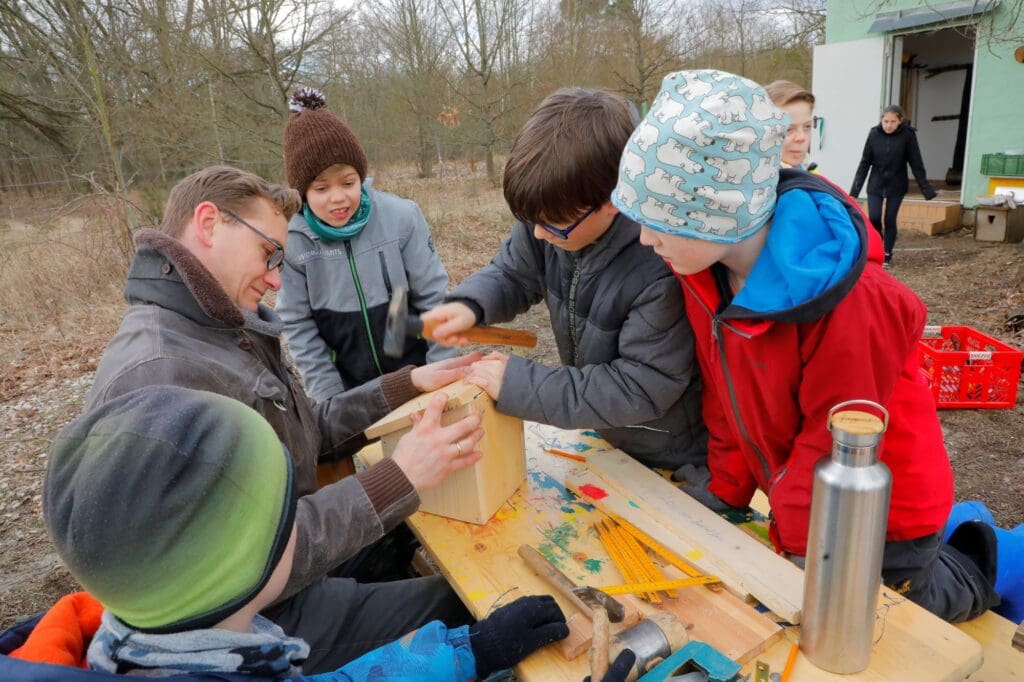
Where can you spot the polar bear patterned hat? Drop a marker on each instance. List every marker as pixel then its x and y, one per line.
pixel 704 162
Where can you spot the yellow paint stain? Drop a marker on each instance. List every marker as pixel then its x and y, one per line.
pixel 694 555
pixel 506 512
pixel 477 595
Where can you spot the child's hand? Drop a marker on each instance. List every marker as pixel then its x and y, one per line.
pixel 489 373
pixel 447 321
pixel 435 375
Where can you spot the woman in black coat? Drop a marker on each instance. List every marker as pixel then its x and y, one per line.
pixel 890 146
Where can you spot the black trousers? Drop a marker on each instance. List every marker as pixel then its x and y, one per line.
pixel 888 229
pixel 938 577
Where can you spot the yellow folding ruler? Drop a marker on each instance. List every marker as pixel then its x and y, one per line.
pixel 658 586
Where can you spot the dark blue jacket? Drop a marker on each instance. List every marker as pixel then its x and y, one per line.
pixel 887 155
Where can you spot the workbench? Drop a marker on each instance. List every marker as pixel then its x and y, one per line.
pixel 482 565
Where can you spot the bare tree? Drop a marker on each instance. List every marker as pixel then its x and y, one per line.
pixel 481 29
pixel 414 36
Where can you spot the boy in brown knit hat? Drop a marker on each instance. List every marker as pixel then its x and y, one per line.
pixel 348 249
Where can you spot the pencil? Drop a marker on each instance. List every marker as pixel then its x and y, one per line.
pixel 567 455
pixel 789 663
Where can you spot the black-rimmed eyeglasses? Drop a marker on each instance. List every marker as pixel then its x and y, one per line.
pixel 563 232
pixel 276 259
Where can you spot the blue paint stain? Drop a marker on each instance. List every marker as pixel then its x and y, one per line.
pixel 634 504
pixel 592 434
pixel 593 565
pixel 568 510
pixel 547 482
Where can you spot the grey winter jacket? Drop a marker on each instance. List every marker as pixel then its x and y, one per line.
pixel 617 315
pixel 182 329
pixel 328 286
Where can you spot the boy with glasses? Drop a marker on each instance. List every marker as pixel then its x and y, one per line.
pixel 615 311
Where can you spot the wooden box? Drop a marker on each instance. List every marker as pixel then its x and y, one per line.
pixel 998 224
pixel 472 494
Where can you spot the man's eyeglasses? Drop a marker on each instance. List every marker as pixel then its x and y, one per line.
pixel 276 259
pixel 564 232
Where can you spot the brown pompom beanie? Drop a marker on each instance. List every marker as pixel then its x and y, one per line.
pixel 315 139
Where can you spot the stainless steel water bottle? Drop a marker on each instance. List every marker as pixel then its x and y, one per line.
pixel 849 513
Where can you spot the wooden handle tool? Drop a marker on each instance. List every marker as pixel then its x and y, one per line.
pixel 498 336
pixel 583 598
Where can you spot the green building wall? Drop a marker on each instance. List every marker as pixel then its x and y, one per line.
pixel 996 121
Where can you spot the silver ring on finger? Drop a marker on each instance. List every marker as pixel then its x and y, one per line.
pixel 458 446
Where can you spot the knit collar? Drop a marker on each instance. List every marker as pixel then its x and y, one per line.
pixel 350 229
pixel 264 651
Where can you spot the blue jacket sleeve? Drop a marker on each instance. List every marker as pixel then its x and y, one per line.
pixel 431 654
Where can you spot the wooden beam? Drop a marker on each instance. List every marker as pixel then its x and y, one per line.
pixel 712 544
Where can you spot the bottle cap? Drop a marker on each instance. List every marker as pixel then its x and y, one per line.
pixel 857 428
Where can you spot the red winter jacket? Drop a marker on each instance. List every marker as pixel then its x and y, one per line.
pixel 818 322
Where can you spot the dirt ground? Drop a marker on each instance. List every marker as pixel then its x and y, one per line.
pixel 46 371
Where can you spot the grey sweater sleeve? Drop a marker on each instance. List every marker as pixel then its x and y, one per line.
pixel 511 283
pixel 428 280
pixel 310 351
pixel 655 366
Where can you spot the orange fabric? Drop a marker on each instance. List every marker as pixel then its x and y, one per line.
pixel 63 634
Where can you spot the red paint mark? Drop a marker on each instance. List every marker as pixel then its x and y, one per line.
pixel 593 492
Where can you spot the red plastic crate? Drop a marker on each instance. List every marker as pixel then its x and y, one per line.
pixel 968 369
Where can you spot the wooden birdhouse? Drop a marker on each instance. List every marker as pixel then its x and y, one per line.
pixel 474 493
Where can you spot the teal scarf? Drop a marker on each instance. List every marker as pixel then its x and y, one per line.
pixel 350 229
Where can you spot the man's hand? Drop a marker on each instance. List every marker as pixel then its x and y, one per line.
pixel 450 320
pixel 435 375
pixel 489 373
pixel 429 452
pixel 515 631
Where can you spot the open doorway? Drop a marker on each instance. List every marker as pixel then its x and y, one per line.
pixel 935 92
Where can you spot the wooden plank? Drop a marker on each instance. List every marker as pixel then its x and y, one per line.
pixel 910 644
pixel 1002 663
pixel 715 545
pixel 481 564
pixel 722 620
pixel 459 393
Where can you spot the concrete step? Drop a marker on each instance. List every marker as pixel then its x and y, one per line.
pixel 928 227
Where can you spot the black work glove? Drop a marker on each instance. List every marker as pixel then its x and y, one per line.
pixel 619 669
pixel 515 631
pixel 696 479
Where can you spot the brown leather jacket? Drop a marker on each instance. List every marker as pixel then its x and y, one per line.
pixel 182 329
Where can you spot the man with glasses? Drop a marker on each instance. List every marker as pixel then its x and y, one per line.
pixel 629 370
pixel 195 320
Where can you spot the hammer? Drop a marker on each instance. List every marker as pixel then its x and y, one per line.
pixel 400 325
pixel 652 639
pixel 600 607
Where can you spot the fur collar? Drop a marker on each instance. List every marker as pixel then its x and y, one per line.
pixel 208 292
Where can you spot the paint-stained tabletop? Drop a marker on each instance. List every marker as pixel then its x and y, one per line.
pixel 482 564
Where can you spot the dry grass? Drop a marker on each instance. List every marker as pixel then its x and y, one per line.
pixel 61 274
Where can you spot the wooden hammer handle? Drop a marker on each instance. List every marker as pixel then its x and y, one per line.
pixel 498 336
pixel 555 578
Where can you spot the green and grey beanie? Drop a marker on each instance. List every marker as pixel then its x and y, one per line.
pixel 171 506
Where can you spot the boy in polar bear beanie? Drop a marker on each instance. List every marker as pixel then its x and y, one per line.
pixel 792 314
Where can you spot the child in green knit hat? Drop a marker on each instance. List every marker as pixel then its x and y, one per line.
pixel 175 509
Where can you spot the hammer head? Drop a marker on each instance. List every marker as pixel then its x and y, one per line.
pixel 594 598
pixel 399 324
